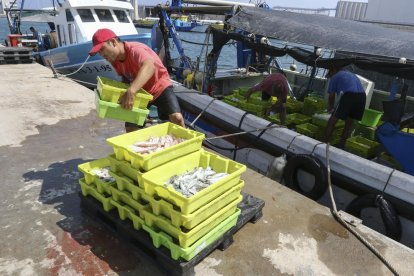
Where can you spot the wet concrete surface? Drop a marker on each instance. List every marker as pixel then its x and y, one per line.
pixel 44 232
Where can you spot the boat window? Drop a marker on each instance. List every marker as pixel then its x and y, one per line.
pixel 69 16
pixel 60 34
pixel 104 15
pixel 72 33
pixel 86 15
pixel 122 16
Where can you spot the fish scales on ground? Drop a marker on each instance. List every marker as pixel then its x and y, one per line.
pixel 154 144
pixel 194 181
pixel 103 174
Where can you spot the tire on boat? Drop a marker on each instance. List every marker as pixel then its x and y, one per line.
pixel 388 213
pixel 311 165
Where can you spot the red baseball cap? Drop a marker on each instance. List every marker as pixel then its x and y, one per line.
pixel 99 38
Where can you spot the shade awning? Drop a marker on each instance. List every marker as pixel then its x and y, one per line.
pixel 326 32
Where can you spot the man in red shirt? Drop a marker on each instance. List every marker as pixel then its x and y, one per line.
pixel 274 85
pixel 141 67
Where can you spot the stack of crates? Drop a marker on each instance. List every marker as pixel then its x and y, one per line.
pixel 368 124
pixel 138 190
pixel 254 105
pixel 316 129
pixel 313 104
pixel 107 97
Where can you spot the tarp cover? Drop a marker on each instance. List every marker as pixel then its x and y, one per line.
pixel 326 32
pixel 365 45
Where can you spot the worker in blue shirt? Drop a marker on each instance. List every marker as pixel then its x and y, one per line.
pixel 351 104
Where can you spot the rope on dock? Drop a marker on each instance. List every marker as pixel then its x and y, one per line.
pixel 338 217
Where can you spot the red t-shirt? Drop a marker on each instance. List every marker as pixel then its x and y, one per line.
pixel 278 79
pixel 135 54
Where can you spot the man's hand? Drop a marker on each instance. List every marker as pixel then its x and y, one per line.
pixel 127 99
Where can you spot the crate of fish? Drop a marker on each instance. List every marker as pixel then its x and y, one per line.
pixel 361 146
pixel 104 198
pixel 159 238
pixel 313 104
pixel 191 181
pixel 97 172
pixel 111 90
pixel 115 111
pixel 243 91
pixel 150 147
pixel 128 192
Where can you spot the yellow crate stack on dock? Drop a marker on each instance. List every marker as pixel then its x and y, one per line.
pixel 137 189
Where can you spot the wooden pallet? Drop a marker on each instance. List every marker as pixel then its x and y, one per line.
pixel 14 55
pixel 251 211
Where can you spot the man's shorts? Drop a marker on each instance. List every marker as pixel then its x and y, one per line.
pixel 351 105
pixel 166 103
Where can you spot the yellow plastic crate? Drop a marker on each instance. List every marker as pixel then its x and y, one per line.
pixel 91 177
pixel 105 199
pixel 115 111
pixel 125 167
pixel 124 212
pixel 309 130
pixel 154 180
pixel 160 238
pixel 122 143
pixel 160 207
pixel 361 146
pixel 186 237
pixel 112 90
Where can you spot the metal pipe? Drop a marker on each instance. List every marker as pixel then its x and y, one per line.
pixel 218 3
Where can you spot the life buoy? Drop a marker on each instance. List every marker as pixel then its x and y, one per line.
pixel 311 165
pixel 388 213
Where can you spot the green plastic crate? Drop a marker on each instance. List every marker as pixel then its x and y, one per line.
pixel 124 212
pixel 130 193
pixel 105 199
pixel 321 119
pixel 312 105
pixel 365 131
pixel 115 111
pixel 160 238
pixel 293 106
pixel 371 117
pixel 297 119
pixel 154 180
pixel 361 146
pixel 122 143
pixel 309 130
pixel 112 90
pixel 90 176
pixel 186 237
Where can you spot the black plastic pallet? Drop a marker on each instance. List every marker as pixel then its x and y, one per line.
pixel 251 211
pixel 14 55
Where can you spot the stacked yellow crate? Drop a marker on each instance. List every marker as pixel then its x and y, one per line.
pixel 185 225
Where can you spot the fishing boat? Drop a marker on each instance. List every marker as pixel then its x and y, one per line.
pixel 360 182
pixel 73 23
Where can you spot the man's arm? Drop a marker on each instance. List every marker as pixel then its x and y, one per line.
pixel 144 74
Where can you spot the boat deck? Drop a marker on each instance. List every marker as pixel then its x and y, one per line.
pixel 49 126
